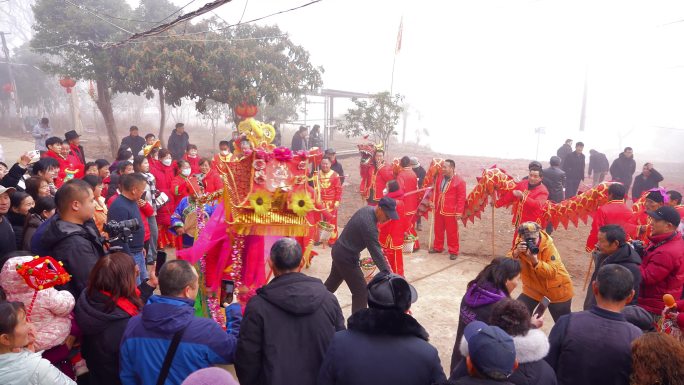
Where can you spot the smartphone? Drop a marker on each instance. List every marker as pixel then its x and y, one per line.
pixel 34 155
pixel 541 307
pixel 227 287
pixel 144 196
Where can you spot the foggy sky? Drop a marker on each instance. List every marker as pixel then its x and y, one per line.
pixel 484 74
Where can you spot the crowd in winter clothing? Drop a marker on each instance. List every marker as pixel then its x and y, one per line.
pixel 126 318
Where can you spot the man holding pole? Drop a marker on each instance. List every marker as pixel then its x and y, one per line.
pixel 448 204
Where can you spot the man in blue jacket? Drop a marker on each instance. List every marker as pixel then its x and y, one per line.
pixel 168 317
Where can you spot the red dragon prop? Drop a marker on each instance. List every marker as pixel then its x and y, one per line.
pixel 495 181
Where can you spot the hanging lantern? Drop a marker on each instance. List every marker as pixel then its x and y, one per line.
pixel 245 110
pixel 67 83
pixel 8 88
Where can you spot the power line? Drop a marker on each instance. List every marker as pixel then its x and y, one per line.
pixel 98 16
pixel 112 44
pixel 243 11
pixel 164 27
pixel 253 20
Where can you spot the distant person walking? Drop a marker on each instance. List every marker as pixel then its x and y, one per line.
pixel 565 149
pixel 573 165
pixel 41 132
pixel 554 180
pixel 622 168
pixel 598 166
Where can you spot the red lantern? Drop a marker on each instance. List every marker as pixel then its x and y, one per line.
pixel 8 88
pixel 67 83
pixel 245 110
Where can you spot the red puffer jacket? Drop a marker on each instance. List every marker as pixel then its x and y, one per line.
pixel 163 176
pixel 662 271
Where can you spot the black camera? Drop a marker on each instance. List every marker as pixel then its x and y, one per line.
pixel 639 247
pixel 122 230
pixel 531 244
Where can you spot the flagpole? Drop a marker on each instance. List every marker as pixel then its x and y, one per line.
pixel 397 48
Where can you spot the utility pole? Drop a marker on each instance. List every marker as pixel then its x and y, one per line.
pixel 5 50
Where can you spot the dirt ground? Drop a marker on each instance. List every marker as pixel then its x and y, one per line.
pixel 439 281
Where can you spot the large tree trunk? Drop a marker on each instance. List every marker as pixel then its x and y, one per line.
pixel 162 116
pixel 104 104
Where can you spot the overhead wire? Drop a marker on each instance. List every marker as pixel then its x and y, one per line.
pixel 98 16
pixel 102 44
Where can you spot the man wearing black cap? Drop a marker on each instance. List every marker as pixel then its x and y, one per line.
pixel 361 232
pixel 336 166
pixel 74 141
pixel 662 269
pixel 383 345
pixel 491 355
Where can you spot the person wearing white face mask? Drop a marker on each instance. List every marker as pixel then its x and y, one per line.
pixel 163 171
pixel 193 158
pixel 184 183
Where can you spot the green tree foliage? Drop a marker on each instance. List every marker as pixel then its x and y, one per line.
pixel 71 34
pixel 233 65
pixel 377 116
pixel 255 65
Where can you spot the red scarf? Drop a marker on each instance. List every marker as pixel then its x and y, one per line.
pixel 124 304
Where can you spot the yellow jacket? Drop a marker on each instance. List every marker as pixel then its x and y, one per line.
pixel 549 278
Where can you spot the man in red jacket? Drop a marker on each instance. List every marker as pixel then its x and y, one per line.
pixel 529 198
pixel 662 268
pixel 68 165
pixel 408 182
pixel 449 202
pixel 615 212
pixel 376 178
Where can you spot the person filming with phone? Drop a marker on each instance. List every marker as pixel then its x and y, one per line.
pixel 543 272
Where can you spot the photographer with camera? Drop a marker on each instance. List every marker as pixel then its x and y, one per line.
pixel 127 231
pixel 71 235
pixel 543 272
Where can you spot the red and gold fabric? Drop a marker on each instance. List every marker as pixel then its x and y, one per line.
pixel 375 183
pixel 449 202
pixel 328 191
pixel 391 234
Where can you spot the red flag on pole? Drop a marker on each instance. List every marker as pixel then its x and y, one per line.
pixel 401 30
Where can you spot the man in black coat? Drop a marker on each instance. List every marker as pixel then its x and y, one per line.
pixel 288 325
pixel 597 338
pixel 383 345
pixel 598 166
pixel 133 141
pixel 71 236
pixel 573 165
pixel 622 168
pixel 178 142
pixel 565 149
pixel 648 179
pixel 299 140
pixel 614 249
pixel 554 180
